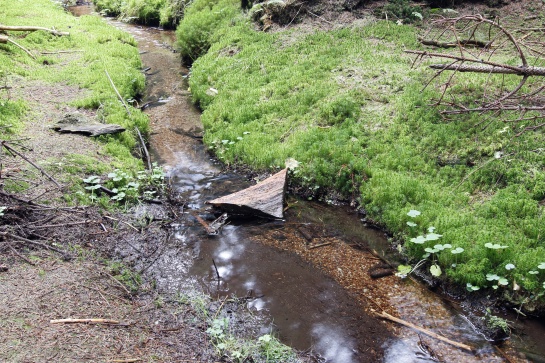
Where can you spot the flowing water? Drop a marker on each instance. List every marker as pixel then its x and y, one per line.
pixel 305 305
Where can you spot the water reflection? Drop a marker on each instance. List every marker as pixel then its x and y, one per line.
pixel 308 308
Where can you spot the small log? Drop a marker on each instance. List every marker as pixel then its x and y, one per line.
pixel 31 29
pixel 387 316
pixel 265 199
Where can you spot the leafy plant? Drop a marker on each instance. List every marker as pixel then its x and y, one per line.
pixel 126 188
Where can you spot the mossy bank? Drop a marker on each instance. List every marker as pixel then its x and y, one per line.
pixel 81 60
pixel 347 106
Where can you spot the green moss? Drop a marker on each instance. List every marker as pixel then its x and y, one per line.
pixel 348 106
pixel 166 13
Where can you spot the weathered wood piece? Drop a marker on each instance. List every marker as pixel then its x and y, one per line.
pixel 31 29
pixel 79 123
pixel 265 199
pixel 91 129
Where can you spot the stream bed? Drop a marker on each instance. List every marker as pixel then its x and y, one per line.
pixel 314 299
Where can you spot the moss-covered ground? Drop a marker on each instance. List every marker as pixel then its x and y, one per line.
pixel 80 61
pixel 347 105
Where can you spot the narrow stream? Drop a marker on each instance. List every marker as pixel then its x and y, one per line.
pixel 307 308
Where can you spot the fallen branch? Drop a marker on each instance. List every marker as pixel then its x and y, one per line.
pixel 387 316
pixel 21 256
pixel 118 220
pixel 4 40
pixel 87 321
pixel 128 360
pixel 13 151
pixel 436 43
pixel 65 254
pixel 521 71
pixel 31 29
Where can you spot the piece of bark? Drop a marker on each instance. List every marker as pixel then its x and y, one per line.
pixel 90 129
pixel 265 199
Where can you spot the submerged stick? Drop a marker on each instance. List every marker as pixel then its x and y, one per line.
pixel 216 267
pixel 387 316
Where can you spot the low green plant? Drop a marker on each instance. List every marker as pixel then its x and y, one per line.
pixel 266 348
pixel 166 13
pixel 403 10
pixel 125 275
pixel 197 30
pixel 127 188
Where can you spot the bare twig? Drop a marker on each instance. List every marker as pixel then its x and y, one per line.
pixel 87 321
pixel 117 92
pixel 65 254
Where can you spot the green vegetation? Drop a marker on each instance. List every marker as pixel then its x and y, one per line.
pixel 266 349
pixel 166 13
pixel 229 340
pixel 80 59
pixel 125 189
pixel 348 107
pixel 125 275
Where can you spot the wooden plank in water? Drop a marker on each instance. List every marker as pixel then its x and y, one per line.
pixel 265 199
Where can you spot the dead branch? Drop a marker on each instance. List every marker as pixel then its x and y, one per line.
pixel 21 256
pixel 496 43
pixel 32 29
pixel 13 151
pixel 464 42
pixel 143 144
pixel 385 315
pixel 4 39
pixel 521 71
pixel 319 245
pixel 87 321
pixel 65 254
